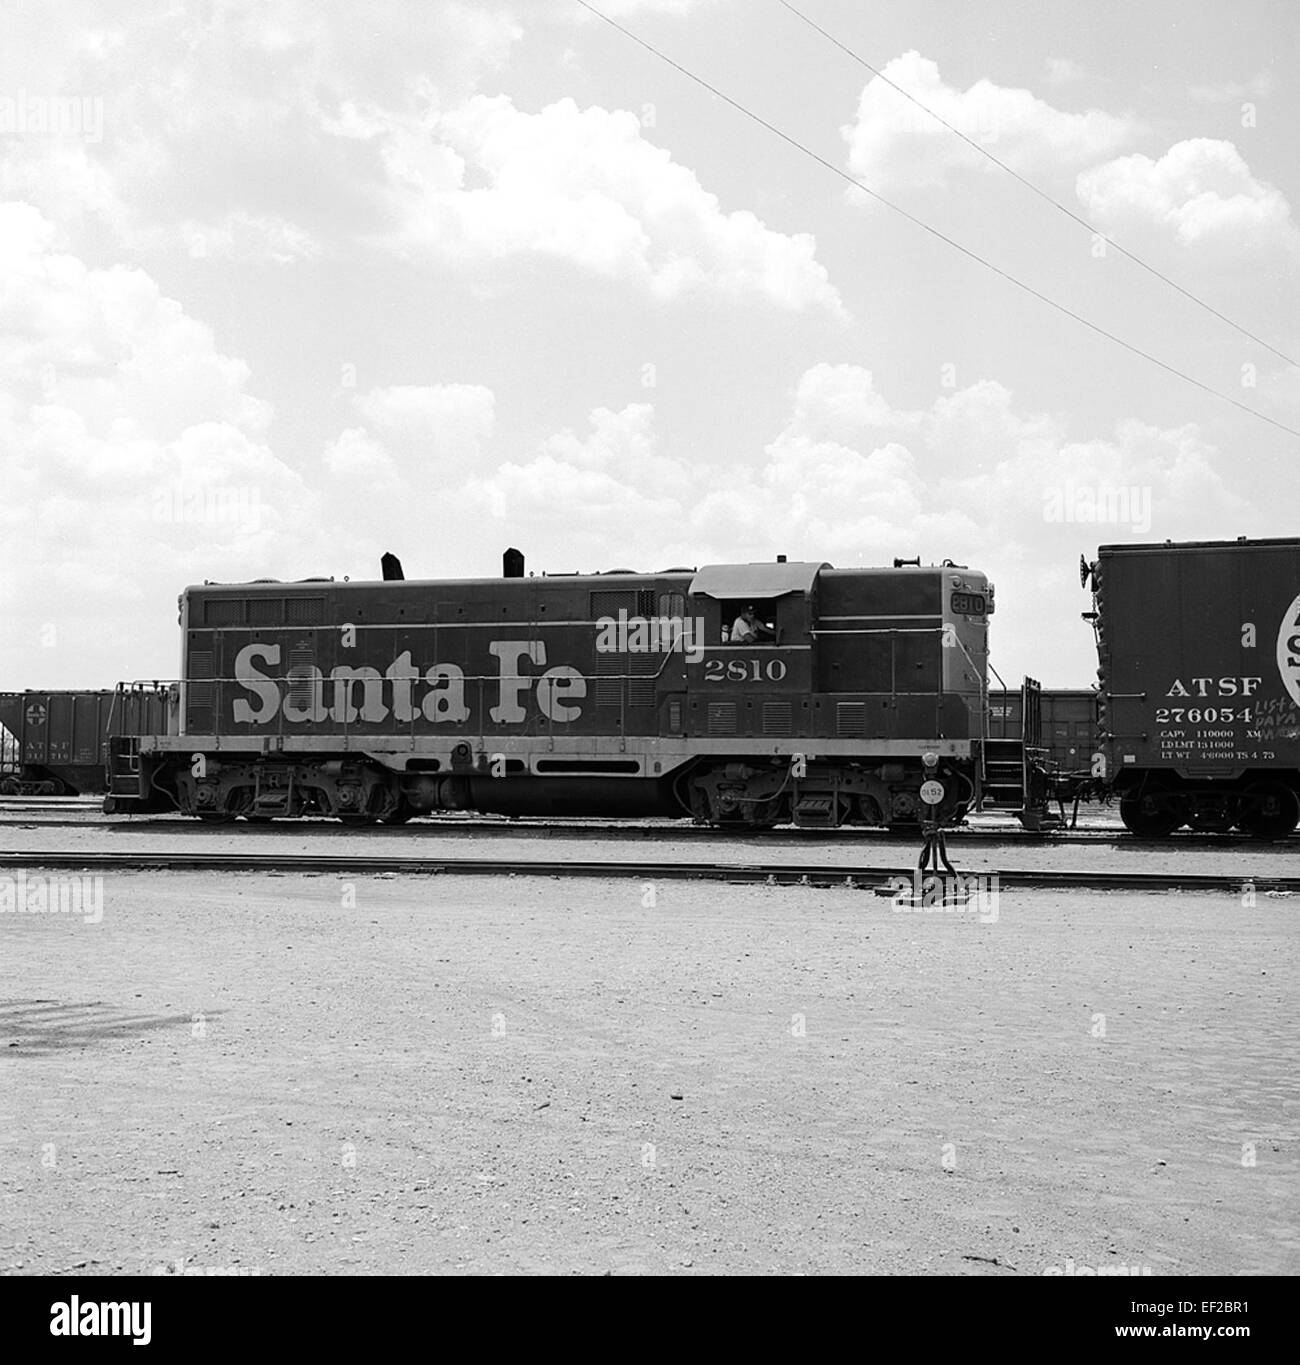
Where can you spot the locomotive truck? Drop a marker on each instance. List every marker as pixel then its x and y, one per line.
pixel 614 694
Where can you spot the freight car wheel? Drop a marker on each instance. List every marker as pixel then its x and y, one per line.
pixel 1272 811
pixel 1151 815
pixel 399 815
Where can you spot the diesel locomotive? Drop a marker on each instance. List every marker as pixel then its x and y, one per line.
pixel 612 694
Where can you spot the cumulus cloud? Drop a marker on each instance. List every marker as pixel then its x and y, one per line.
pixel 127 440
pixel 854 479
pixel 244 236
pixel 893 143
pixel 1258 87
pixel 447 421
pixel 221 130
pixel 287 132
pixel 626 9
pixel 579 494
pixel 1201 190
pixel 490 181
pixel 1063 71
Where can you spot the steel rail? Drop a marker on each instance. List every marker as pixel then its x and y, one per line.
pixel 535 829
pixel 772 873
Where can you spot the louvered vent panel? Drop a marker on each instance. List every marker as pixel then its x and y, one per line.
pixel 641 685
pixel 851 719
pixel 199 695
pixel 777 718
pixel 608 682
pixel 302 655
pixel 722 718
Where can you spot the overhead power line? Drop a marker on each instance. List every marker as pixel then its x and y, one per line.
pixel 933 231
pixel 1037 189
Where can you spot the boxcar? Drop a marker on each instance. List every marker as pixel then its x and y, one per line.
pixel 604 694
pixel 1199 668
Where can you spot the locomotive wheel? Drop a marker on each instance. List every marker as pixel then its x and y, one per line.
pixel 1272 811
pixel 400 814
pixel 1152 815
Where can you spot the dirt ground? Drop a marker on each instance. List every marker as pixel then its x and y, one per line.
pixel 299 1074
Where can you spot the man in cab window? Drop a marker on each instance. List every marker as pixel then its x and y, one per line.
pixel 749 630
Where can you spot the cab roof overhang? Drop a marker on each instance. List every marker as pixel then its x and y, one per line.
pixel 755 580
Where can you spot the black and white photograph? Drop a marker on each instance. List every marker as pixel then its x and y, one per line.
pixel 649 639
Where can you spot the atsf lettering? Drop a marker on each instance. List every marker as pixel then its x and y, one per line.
pixel 1214 687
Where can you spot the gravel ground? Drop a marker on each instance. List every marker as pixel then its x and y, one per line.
pixel 297 1074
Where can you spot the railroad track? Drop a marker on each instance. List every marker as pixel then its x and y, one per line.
pixel 985 834
pixel 781 874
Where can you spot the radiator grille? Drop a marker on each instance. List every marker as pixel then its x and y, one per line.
pixel 610 602
pixel 224 611
pixel 305 611
pixel 265 611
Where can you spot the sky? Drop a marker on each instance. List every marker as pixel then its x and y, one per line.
pixel 287 284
